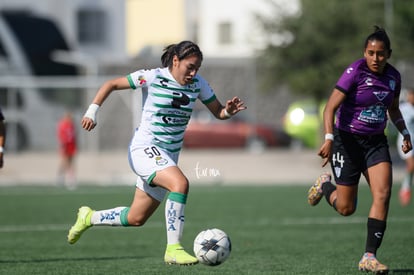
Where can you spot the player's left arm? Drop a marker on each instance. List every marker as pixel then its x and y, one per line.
pixel 89 119
pixel 398 120
pixel 233 106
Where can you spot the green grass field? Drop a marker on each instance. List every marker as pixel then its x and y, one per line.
pixel 273 231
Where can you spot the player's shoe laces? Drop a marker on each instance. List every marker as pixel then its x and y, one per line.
pixel 369 263
pixel 83 222
pixel 405 196
pixel 175 254
pixel 315 192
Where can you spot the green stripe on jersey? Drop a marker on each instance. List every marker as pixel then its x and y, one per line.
pixel 173 141
pixel 175 89
pixel 169 106
pixel 131 82
pixel 159 133
pixel 211 99
pixel 175 150
pixel 171 115
pixel 170 96
pixel 168 125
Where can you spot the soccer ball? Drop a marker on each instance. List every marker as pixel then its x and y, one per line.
pixel 212 246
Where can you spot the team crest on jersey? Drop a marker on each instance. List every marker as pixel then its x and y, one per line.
pixel 381 95
pixel 392 84
pixel 160 161
pixel 192 86
pixel 142 80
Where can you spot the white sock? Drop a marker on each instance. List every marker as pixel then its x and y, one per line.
pixel 406 184
pixel 174 217
pixel 114 216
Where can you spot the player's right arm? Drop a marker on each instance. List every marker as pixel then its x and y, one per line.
pixel 331 106
pixel 89 119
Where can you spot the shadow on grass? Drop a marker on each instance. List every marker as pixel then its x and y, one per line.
pixel 402 271
pixel 16 261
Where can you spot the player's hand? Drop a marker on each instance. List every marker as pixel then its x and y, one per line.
pixel 89 119
pixel 407 146
pixel 87 123
pixel 325 152
pixel 235 105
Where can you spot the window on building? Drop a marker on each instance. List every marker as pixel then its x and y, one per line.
pixel 91 26
pixel 225 33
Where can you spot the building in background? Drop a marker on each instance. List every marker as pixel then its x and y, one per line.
pixel 107 38
pixel 108 29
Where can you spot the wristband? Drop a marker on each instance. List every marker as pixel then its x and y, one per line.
pixel 329 136
pixel 91 112
pixel 226 114
pixel 405 132
pixel 1 149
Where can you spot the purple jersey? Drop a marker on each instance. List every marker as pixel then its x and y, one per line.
pixel 368 97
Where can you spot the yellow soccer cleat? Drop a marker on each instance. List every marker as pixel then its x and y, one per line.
pixel 83 222
pixel 369 263
pixel 175 254
pixel 315 192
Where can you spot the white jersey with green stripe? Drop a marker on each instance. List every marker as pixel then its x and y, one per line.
pixel 166 107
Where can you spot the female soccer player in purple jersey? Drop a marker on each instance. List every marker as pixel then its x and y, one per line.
pixel 355 142
pixel 169 95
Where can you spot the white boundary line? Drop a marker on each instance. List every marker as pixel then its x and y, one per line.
pixel 259 223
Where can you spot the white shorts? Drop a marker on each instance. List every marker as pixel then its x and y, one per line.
pixel 400 152
pixel 145 161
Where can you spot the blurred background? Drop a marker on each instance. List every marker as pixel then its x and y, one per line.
pixel 281 56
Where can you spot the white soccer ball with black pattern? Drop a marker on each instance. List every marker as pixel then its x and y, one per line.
pixel 212 246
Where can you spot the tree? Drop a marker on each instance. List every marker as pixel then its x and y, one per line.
pixel 326 37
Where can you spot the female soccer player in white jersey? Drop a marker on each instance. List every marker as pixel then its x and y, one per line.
pixel 355 116
pixel 169 95
pixel 407 110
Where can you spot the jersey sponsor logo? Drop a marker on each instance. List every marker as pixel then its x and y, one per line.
pixel 166 119
pixel 164 82
pixel 368 81
pixel 373 114
pixel 171 120
pixel 180 99
pixel 381 95
pixel 349 70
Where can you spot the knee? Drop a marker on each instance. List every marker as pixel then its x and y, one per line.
pixel 180 186
pixel 136 221
pixel 382 198
pixel 346 211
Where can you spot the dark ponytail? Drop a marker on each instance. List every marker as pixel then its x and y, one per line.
pixel 381 35
pixel 182 50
